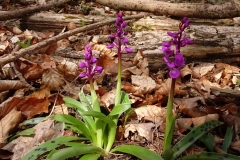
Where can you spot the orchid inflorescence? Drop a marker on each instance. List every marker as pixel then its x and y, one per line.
pixel 88 63
pixel 118 39
pixel 178 41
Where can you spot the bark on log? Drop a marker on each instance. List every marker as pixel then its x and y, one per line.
pixel 213 43
pixel 7 15
pixel 12 57
pixel 224 10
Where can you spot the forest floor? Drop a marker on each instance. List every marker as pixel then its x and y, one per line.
pixel 32 88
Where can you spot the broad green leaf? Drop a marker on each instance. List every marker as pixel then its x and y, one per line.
pixel 100 116
pixel 33 121
pixel 125 98
pixel 192 136
pixel 138 151
pixel 211 156
pixel 81 107
pixel 69 152
pixel 119 109
pixel 208 140
pixel 90 157
pixel 75 144
pixel 227 139
pixel 48 146
pixel 70 120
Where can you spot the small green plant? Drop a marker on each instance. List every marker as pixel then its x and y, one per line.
pixel 24 45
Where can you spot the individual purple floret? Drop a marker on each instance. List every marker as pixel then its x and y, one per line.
pixel 88 63
pixel 119 40
pixel 173 58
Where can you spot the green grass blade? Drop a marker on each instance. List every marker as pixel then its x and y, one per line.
pixel 138 151
pixel 48 146
pixel 69 152
pixel 193 135
pixel 227 139
pixel 211 156
pixel 70 120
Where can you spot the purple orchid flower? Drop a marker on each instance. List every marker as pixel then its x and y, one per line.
pixel 173 58
pixel 118 39
pixel 88 63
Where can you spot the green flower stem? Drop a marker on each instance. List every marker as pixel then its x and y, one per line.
pixel 119 80
pixel 112 132
pixel 96 107
pixel 170 119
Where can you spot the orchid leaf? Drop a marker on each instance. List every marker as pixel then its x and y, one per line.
pixel 48 146
pixel 70 120
pixel 227 139
pixel 138 151
pixel 69 152
pixel 80 107
pixel 192 136
pixel 91 156
pixel 100 116
pixel 208 140
pixel 211 156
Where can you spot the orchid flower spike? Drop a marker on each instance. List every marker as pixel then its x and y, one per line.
pixel 173 57
pixel 88 63
pixel 118 39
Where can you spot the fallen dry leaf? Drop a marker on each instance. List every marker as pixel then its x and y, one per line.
pixel 8 123
pixel 165 87
pixel 145 84
pixel 6 85
pixel 184 124
pixel 202 69
pixel 200 120
pixel 236 145
pixel 151 113
pixel 143 130
pixel 52 79
pixel 44 131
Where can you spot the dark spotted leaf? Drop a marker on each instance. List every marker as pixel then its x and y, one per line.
pixel 211 156
pixel 192 136
pixel 138 151
pixel 227 139
pixel 48 146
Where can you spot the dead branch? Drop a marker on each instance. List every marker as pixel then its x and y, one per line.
pixel 12 57
pixel 225 92
pixel 194 10
pixel 7 15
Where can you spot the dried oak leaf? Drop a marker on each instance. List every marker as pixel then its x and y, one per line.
pixel 202 69
pixel 30 106
pixel 52 79
pixel 143 130
pixel 236 145
pixel 200 120
pixel 145 84
pixel 165 87
pixel 151 113
pixel 8 123
pixel 6 85
pixel 43 131
pixel 184 124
